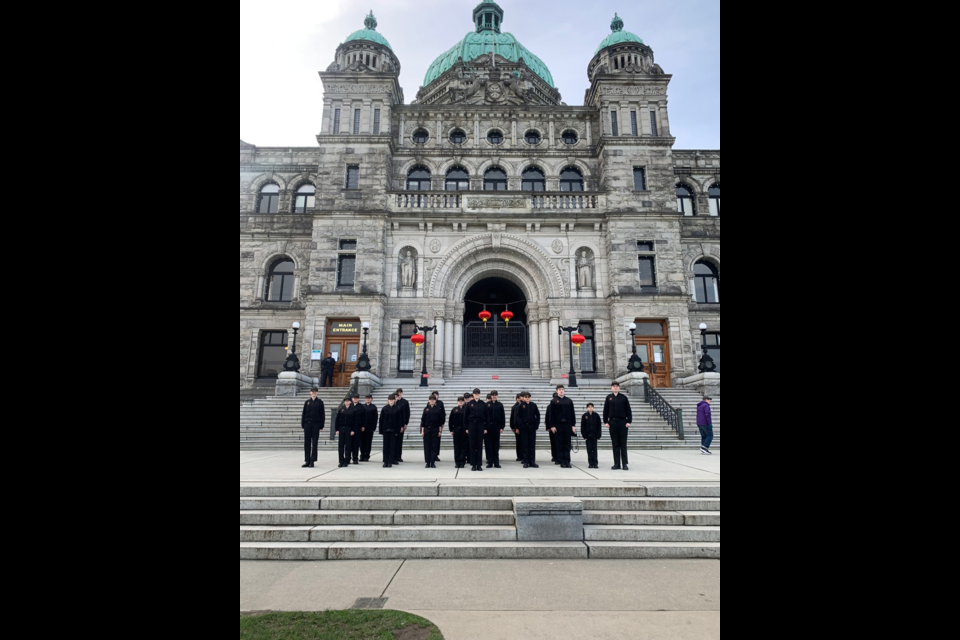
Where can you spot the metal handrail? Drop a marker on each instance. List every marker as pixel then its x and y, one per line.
pixel 674 417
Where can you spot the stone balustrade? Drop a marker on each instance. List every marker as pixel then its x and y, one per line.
pixel 512 200
pixel 427 200
pixel 555 202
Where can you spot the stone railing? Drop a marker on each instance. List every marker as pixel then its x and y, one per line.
pixel 515 201
pixel 428 200
pixel 555 202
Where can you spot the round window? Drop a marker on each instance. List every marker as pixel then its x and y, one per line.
pixel 533 137
pixel 495 137
pixel 420 136
pixel 570 137
pixel 458 137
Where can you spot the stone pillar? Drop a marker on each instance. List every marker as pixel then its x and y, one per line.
pixel 545 348
pixel 664 119
pixel 555 347
pixel 458 347
pixel 644 116
pixel 447 348
pixel 535 348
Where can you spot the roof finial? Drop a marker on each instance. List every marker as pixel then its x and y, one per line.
pixel 617 24
pixel 371 22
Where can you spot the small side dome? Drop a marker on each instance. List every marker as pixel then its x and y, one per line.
pixel 369 33
pixel 619 36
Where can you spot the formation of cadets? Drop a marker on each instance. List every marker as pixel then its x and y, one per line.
pixel 476 425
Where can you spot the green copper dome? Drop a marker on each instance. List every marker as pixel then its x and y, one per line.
pixel 370 33
pixel 619 36
pixel 488 17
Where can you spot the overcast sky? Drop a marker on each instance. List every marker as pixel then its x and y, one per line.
pixel 284 43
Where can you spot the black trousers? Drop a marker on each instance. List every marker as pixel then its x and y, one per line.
pixel 519 446
pixel 400 445
pixel 493 446
pixel 366 449
pixel 564 440
pixel 619 433
pixel 389 448
pixel 355 443
pixel 592 452
pixel 311 440
pixel 476 445
pixel 345 446
pixel 461 447
pixel 326 375
pixel 436 445
pixel 553 447
pixel 431 444
pixel 528 439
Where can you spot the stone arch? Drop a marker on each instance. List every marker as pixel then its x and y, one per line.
pixel 534 163
pixel 268 255
pixel 415 162
pixel 450 164
pixel 691 182
pixel 300 181
pixel 509 167
pixel 503 269
pixel 490 248
pixel 711 253
pixel 557 168
pixel 267 178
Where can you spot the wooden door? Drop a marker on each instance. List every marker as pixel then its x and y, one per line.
pixel 655 353
pixel 345 352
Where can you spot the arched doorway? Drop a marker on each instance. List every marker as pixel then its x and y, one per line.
pixel 496 345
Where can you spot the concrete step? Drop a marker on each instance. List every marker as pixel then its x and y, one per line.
pixel 654 550
pixel 651 504
pixel 378 518
pixel 456 490
pixel 377 504
pixel 652 518
pixel 413 550
pixel 646 533
pixel 378 534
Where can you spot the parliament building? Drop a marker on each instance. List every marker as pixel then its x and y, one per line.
pixel 487 193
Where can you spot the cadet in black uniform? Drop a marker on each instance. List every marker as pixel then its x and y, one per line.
pixel 360 423
pixel 563 425
pixel 370 429
pixel 498 422
pixel 592 430
pixel 618 417
pixel 529 418
pixel 431 424
pixel 477 426
pixel 390 423
pixel 436 456
pixel 346 428
pixel 405 409
pixel 460 452
pixel 313 421
pixel 516 427
pixel 550 433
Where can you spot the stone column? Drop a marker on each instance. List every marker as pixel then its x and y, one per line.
pixel 438 348
pixel 554 346
pixel 458 347
pixel 447 348
pixel 545 347
pixel 644 116
pixel 535 348
pixel 664 119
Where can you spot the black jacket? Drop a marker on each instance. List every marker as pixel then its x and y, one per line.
pixel 404 411
pixel 433 418
pixel 328 364
pixel 347 420
pixel 370 414
pixel 617 408
pixel 476 415
pixel 591 427
pixel 456 421
pixel 564 415
pixel 442 408
pixel 391 420
pixel 528 416
pixel 513 417
pixel 498 416
pixel 314 414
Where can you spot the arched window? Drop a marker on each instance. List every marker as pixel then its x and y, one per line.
pixel 269 199
pixel 715 200
pixel 418 179
pixel 280 282
pixel 458 137
pixel 306 199
pixel 534 180
pixel 685 202
pixel 570 137
pixel 533 137
pixel 420 136
pixel 571 180
pixel 495 180
pixel 458 180
pixel 707 283
pixel 495 137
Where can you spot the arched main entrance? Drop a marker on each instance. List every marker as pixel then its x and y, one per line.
pixel 496 344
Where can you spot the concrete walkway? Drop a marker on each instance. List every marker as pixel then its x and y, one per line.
pixel 522 600
pixel 645 466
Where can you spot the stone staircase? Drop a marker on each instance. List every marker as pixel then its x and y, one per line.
pixel 464 521
pixel 274 423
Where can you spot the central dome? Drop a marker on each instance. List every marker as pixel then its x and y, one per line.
pixel 487 39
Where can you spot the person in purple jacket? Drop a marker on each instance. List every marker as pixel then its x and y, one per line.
pixel 705 422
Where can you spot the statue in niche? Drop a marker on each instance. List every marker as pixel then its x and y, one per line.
pixel 585 272
pixel 408 271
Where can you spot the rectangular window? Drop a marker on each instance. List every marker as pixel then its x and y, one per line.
pixel 407 349
pixel 713 348
pixel 633 123
pixel 648 275
pixel 346 271
pixel 645 247
pixel 616 125
pixel 353 177
pixel 272 354
pixel 348 245
pixel 653 123
pixel 356 122
pixel 376 122
pixel 639 179
pixel 336 121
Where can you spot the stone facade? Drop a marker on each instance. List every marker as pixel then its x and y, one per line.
pixel 461 238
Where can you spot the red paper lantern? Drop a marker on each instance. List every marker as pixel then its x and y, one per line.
pixel 578 340
pixel 485 315
pixel 418 340
pixel 508 316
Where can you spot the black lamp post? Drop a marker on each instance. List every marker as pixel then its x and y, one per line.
pixel 293 362
pixel 707 364
pixel 573 371
pixel 363 362
pixel 423 376
pixel 636 363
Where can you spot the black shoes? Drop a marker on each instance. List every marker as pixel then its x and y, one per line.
pixel 489 466
pixel 306 466
pixel 519 459
pixel 496 466
pixel 616 468
pixel 534 466
pixel 526 466
pixel 626 468
pixel 428 466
